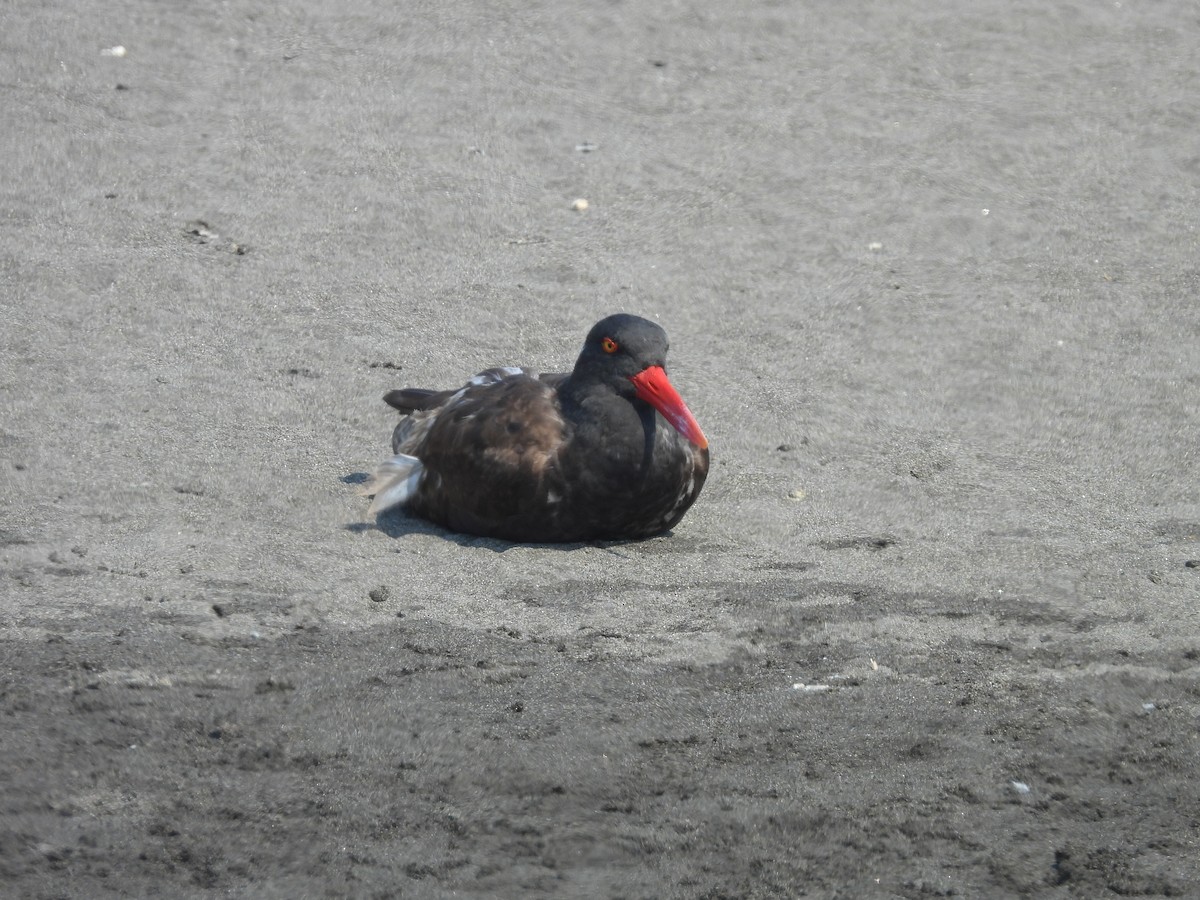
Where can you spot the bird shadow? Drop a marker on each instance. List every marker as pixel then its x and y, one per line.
pixel 396 523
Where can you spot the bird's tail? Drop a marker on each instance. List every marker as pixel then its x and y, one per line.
pixel 394 483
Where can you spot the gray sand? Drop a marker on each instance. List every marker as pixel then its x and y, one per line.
pixel 931 282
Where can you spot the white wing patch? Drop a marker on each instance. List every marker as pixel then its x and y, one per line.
pixel 394 483
pixel 492 376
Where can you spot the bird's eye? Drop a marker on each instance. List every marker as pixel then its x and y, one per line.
pixel 608 345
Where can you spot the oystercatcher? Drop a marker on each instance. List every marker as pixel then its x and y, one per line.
pixel 609 451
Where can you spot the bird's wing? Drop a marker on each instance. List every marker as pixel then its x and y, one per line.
pixel 503 430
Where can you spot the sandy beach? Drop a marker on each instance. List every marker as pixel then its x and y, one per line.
pixel 930 277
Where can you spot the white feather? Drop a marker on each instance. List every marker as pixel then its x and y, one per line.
pixel 394 483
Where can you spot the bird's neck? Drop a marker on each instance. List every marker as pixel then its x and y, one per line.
pixel 584 393
pixel 617 428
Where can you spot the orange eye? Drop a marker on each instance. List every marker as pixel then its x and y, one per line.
pixel 608 345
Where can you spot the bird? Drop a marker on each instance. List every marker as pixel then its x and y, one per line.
pixel 608 451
